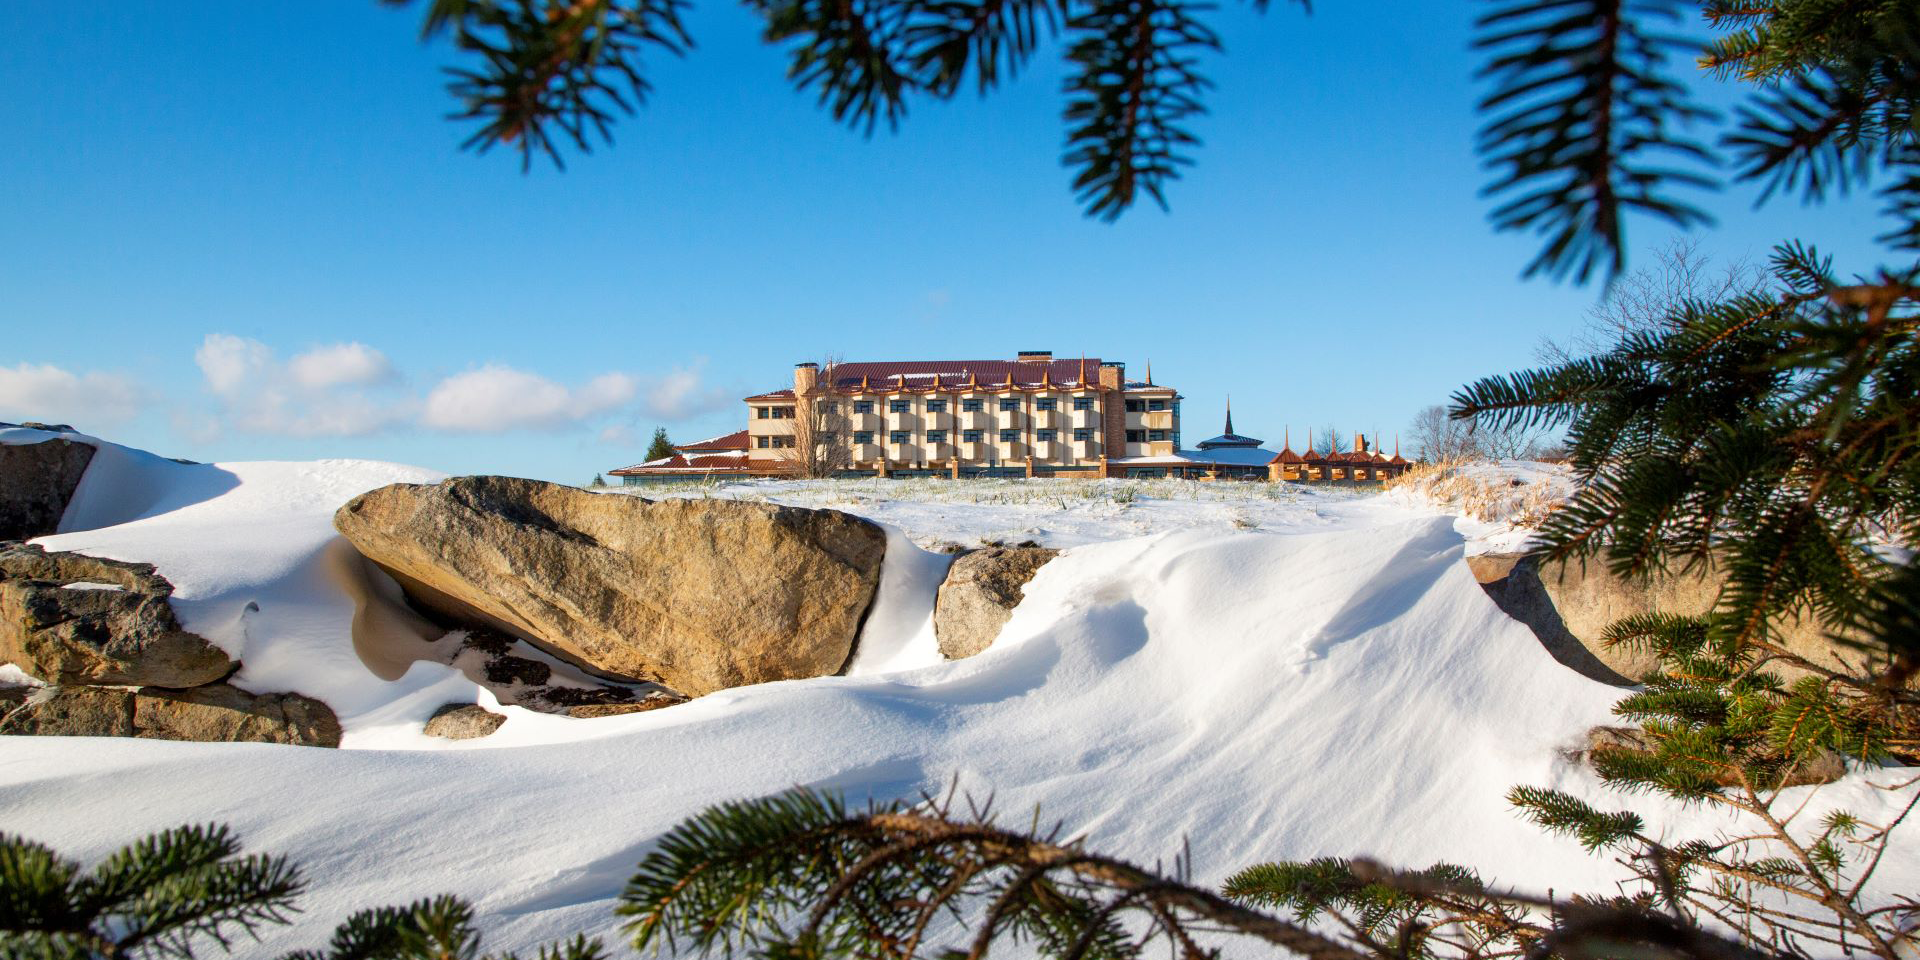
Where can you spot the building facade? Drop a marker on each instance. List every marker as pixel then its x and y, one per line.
pixel 1030 416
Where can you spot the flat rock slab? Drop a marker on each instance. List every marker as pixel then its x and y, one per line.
pixel 217 713
pixel 697 595
pixel 979 595
pixel 68 618
pixel 37 481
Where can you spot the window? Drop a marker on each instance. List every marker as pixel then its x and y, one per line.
pixel 1136 406
pixel 1044 436
pixel 971 436
pixel 763 442
pixel 971 406
pixel 936 436
pixel 827 406
pixel 863 436
pixel 783 443
pixel 1045 403
pixel 1156 404
pixel 863 406
pixel 1156 435
pixel 936 406
pixel 1009 436
pixel 1136 436
pixel 897 437
pixel 764 413
pixel 828 436
pixel 1082 435
pixel 1083 403
pixel 898 406
pixel 1009 403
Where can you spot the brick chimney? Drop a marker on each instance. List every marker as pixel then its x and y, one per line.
pixel 805 376
pixel 1035 356
pixel 1113 375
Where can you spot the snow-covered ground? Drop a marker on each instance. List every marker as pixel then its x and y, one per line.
pixel 1265 672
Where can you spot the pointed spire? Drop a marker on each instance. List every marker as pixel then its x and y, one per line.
pixel 1009 378
pixel 973 379
pixel 1149 373
pixel 1046 375
pixel 864 384
pixel 1083 368
pixel 1229 430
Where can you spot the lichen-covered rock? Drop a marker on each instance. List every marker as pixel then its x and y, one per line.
pixel 979 595
pixel 463 721
pixel 68 618
pixel 217 713
pixel 1568 605
pixel 37 481
pixel 698 595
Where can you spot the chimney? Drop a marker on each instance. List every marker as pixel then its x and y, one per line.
pixel 1113 375
pixel 1035 356
pixel 805 376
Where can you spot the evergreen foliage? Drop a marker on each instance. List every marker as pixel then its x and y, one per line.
pixel 800 875
pixel 154 898
pixel 660 448
pixel 177 891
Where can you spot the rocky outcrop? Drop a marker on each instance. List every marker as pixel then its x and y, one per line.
pixel 463 721
pixel 36 482
pixel 1568 605
pixel 213 713
pixel 68 618
pixel 698 595
pixel 979 595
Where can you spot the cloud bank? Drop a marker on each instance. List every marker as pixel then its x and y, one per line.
pixel 50 394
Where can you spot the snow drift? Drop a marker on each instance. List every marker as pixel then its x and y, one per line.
pixel 1331 684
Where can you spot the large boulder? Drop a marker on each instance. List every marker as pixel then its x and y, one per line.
pixel 979 595
pixel 698 595
pixel 217 713
pixel 1569 604
pixel 36 482
pixel 68 618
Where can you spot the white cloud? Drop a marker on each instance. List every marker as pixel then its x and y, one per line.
pixel 229 363
pixel 49 394
pixel 340 364
pixel 316 395
pixel 495 399
pixel 682 393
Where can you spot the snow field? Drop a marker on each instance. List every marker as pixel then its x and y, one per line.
pixel 1324 680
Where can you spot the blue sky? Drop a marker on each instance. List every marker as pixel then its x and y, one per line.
pixel 242 230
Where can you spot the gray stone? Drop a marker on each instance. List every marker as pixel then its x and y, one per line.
pixel 37 481
pixel 979 595
pixel 217 713
pixel 68 618
pixel 697 595
pixel 463 721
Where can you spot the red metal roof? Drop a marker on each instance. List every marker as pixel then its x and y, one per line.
pixel 955 374
pixel 736 440
pixel 681 463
